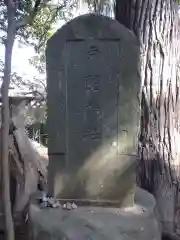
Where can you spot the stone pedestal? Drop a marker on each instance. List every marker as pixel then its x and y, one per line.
pixel 84 223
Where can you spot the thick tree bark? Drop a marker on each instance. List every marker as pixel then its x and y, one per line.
pixel 9 228
pixel 156 24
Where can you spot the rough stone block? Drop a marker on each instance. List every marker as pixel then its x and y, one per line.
pixel 138 222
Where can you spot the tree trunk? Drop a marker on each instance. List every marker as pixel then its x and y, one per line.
pixel 9 228
pixel 156 24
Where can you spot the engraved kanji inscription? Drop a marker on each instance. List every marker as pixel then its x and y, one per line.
pixel 92 51
pixel 92 112
pixel 92 134
pixel 93 101
pixel 92 82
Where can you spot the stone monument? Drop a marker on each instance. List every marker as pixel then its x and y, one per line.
pixel 93 84
pixel 93 115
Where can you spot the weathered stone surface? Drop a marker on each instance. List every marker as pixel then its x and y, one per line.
pixel 93 108
pixel 133 223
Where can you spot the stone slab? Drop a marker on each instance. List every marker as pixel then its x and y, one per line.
pixel 139 222
pixel 93 110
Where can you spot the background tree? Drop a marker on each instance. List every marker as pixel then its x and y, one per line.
pixel 156 24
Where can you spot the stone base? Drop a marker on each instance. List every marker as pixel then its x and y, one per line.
pixel 84 223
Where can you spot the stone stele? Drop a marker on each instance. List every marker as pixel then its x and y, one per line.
pixel 93 84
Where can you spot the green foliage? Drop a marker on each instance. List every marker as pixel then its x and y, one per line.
pixel 34 20
pixel 99 6
pixel 38 61
pixel 43 28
